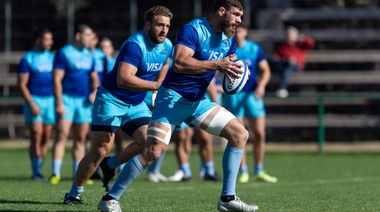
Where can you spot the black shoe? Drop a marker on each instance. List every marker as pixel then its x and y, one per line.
pixel 96 176
pixel 108 174
pixel 72 200
pixel 186 179
pixel 214 177
pixel 39 178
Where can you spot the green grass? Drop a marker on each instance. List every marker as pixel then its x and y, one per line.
pixel 307 182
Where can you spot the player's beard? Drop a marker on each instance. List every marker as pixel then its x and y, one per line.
pixel 228 28
pixel 154 37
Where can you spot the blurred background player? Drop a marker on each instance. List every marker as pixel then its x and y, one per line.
pixel 141 65
pixel 248 103
pixel 107 47
pixel 35 73
pixel 289 57
pixel 99 56
pixel 75 83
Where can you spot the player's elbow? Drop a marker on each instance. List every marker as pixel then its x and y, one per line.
pixel 178 66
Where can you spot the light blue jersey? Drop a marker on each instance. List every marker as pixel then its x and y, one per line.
pixel 110 63
pixel 252 54
pixel 100 63
pixel 244 103
pixel 39 65
pixel 207 45
pixel 78 65
pixel 148 59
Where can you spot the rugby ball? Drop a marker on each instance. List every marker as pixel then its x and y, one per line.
pixel 236 84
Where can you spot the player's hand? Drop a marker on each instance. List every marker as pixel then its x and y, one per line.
pixel 260 92
pixel 35 109
pixel 60 110
pixel 230 68
pixel 92 96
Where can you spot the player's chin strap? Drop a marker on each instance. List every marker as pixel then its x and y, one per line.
pixel 214 120
pixel 161 131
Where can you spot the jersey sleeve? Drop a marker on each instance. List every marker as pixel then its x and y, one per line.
pixel 60 61
pixel 131 53
pixel 188 37
pixel 23 66
pixel 233 47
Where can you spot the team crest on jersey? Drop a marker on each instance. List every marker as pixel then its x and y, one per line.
pixel 163 52
pixel 225 41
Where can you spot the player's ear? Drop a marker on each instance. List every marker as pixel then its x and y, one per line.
pixel 221 11
pixel 147 24
pixel 77 36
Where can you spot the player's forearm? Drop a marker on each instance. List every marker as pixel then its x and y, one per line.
pixel 137 84
pixel 266 73
pixel 190 65
pixel 58 93
pixel 26 94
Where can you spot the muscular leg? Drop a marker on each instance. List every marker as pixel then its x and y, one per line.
pixel 63 130
pixel 101 145
pixel 156 145
pixel 257 126
pixel 80 132
pixel 205 142
pixel 35 151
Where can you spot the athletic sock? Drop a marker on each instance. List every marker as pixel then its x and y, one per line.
pixel 186 169
pixel 75 167
pixel 258 169
pixel 231 158
pixel 156 166
pixel 34 164
pixel 210 169
pixel 113 162
pixel 75 190
pixel 40 164
pixel 243 169
pixel 130 172
pixel 57 164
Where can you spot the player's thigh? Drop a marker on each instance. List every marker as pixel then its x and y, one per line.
pixel 136 120
pixel 27 110
pixel 101 142
pixel 211 117
pixel 107 111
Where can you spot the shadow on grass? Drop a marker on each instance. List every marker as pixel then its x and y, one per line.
pixel 5 201
pixel 25 178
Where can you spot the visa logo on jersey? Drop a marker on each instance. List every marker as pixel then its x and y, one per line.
pixel 216 56
pixel 151 67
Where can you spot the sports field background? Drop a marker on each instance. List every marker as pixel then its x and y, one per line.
pixel 332 181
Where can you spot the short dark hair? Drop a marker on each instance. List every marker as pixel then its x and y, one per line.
pixel 81 28
pixel 228 4
pixel 40 32
pixel 155 11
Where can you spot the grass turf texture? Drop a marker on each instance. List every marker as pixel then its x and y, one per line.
pixel 307 182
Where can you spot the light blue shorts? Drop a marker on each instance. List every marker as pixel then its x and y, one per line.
pixel 111 111
pixel 170 107
pixel 219 97
pixel 148 100
pixel 47 107
pixel 77 109
pixel 244 105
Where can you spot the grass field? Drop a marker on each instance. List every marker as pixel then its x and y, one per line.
pixel 307 182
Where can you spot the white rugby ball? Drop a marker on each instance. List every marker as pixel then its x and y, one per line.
pixel 236 84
